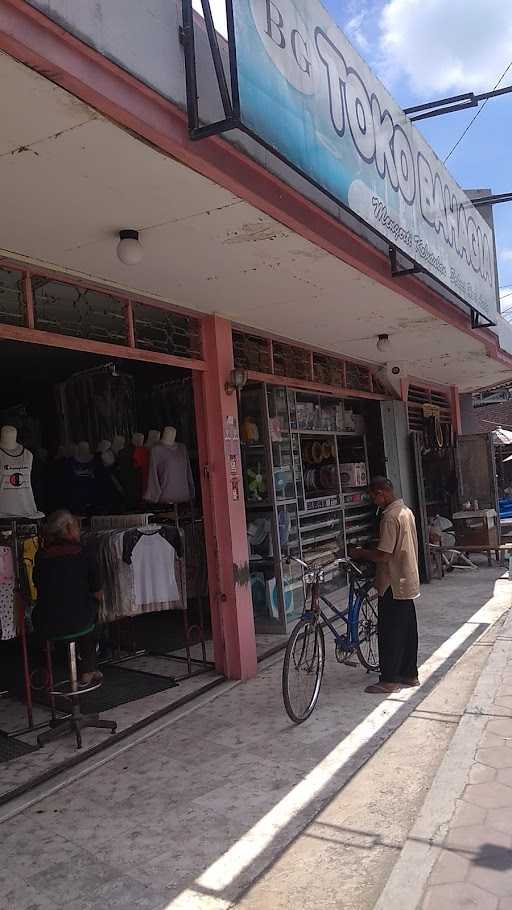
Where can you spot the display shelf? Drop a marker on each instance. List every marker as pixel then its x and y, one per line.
pixel 320 432
pixel 333 508
pixel 297 441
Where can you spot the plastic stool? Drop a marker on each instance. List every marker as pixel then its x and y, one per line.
pixel 77 721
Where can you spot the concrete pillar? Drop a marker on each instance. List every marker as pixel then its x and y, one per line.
pixel 224 509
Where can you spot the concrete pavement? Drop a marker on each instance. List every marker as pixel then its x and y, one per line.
pixel 459 853
pixel 229 805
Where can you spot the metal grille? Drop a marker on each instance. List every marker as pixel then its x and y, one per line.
pixel 71 310
pixel 166 332
pixel 264 355
pixel 291 361
pixel 328 370
pixel 417 397
pixel 252 352
pixel 11 297
pixel 358 377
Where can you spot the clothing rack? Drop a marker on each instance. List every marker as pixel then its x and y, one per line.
pixel 188 630
pixel 19 529
pixel 168 514
pixel 112 522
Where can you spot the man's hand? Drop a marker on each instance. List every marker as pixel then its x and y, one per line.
pixel 355 552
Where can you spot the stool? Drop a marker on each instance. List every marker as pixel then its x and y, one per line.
pixel 77 721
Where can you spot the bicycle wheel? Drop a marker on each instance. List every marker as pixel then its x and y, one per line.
pixel 303 669
pixel 368 642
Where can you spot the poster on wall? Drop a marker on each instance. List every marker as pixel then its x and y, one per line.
pixel 307 94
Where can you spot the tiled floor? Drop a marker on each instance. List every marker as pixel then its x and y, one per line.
pixel 13 717
pixel 190 816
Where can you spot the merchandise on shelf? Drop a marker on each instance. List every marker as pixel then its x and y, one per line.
pixel 354 474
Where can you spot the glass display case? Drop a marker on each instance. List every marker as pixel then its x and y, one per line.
pixel 305 469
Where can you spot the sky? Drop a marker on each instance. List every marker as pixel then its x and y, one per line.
pixel 428 49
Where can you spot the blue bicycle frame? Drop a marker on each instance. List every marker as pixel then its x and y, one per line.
pixel 358 589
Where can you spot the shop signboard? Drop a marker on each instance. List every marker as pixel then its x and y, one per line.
pixel 305 92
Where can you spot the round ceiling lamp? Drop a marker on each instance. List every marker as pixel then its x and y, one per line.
pixel 383 343
pixel 129 248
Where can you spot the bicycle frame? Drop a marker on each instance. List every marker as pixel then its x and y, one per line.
pixel 358 589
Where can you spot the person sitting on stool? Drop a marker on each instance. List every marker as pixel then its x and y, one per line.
pixel 68 590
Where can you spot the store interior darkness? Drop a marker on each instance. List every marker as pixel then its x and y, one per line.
pixel 153 396
pixel 440 482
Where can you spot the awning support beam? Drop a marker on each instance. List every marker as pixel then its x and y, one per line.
pixel 478 320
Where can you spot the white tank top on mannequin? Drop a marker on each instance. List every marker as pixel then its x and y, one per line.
pixel 16 496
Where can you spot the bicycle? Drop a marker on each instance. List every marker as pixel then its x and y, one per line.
pixel 304 658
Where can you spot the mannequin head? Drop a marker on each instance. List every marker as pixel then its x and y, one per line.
pixel 118 444
pixel 103 446
pixel 169 436
pixel 153 438
pixel 83 452
pixel 138 440
pixel 8 438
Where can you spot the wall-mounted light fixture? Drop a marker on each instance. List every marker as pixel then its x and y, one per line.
pixel 129 248
pixel 237 381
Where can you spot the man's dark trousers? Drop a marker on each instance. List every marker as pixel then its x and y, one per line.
pixel 398 639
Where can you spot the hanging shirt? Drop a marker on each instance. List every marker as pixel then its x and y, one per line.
pixel 7 601
pixel 129 476
pixel 81 494
pixel 28 554
pixel 152 555
pixel 170 475
pixel 141 462
pixel 6 565
pixel 16 496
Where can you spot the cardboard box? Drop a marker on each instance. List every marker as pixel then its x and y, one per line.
pixel 354 474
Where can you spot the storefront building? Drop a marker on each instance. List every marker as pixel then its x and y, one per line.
pixel 247 262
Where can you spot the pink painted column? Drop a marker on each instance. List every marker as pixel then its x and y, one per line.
pixel 224 510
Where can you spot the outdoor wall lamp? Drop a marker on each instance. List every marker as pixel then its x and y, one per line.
pixel 129 249
pixel 383 343
pixel 237 381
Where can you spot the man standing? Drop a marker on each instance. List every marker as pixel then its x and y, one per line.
pixel 396 558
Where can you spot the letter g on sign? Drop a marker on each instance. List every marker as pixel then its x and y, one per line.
pixel 287 41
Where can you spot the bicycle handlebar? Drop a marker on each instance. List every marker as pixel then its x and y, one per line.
pixel 317 570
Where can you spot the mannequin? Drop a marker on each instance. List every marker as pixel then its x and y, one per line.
pixel 83 453
pixel 128 473
pixel 140 459
pixel 169 436
pixel 16 496
pixel 153 438
pixel 81 495
pixel 106 454
pixel 170 477
pixel 118 443
pixel 108 487
pixel 9 439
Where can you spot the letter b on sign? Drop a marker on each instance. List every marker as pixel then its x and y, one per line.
pixel 286 39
